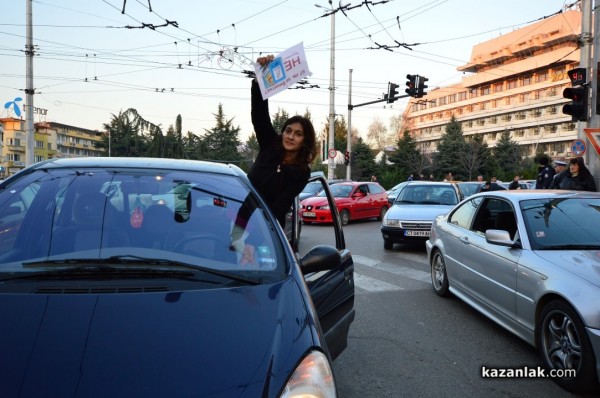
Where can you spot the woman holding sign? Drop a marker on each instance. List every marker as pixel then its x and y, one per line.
pixel 282 166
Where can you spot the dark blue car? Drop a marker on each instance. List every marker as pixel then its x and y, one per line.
pixel 136 278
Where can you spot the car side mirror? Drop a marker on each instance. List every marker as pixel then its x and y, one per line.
pixel 320 258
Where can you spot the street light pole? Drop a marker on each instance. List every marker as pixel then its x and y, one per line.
pixel 331 145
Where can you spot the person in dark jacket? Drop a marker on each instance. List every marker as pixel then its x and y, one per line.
pixel 545 174
pixel 578 177
pixel 560 170
pixel 282 167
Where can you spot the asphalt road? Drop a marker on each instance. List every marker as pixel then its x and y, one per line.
pixel 408 342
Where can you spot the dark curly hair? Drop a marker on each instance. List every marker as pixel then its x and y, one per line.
pixel 308 152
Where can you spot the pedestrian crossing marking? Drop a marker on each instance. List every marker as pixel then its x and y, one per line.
pixel 375 285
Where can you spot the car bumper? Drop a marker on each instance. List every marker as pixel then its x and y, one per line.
pixel 319 216
pixel 594 335
pixel 396 234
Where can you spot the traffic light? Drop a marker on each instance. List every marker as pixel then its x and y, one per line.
pixel 347 158
pixel 421 86
pixel 411 86
pixel 392 92
pixel 579 94
pixel 578 108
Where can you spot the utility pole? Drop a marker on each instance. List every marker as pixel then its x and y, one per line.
pixel 592 160
pixel 331 162
pixel 349 136
pixel 29 52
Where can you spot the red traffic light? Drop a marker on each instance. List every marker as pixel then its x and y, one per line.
pixel 577 76
pixel 578 107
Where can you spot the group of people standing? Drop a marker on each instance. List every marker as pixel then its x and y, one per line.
pixel 574 175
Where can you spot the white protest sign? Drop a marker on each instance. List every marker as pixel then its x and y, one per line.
pixel 285 70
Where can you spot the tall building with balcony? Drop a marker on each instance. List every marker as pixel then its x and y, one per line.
pixel 513 83
pixel 51 140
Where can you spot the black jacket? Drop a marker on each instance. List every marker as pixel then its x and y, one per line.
pixel 545 176
pixel 578 183
pixel 278 184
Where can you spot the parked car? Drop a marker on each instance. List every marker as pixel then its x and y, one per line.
pixel 354 201
pixel 393 192
pixel 103 296
pixel 314 187
pixel 529 260
pixel 417 204
pixel 468 188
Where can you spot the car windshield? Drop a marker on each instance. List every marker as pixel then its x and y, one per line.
pixel 312 187
pixel 193 218
pixel 562 223
pixel 427 194
pixel 338 191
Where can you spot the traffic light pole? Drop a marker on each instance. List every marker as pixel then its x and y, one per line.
pixel 350 107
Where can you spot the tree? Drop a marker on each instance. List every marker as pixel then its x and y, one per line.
pixel 450 146
pixel 221 142
pixel 407 158
pixel 279 119
pixel 507 155
pixel 126 135
pixel 476 155
pixel 363 162
pixel 377 135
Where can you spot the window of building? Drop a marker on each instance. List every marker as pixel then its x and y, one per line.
pixel 541 76
pixel 462 96
pixel 442 100
pixel 494 103
pixel 485 90
pixel 13 141
pixel 451 98
pixel 38 158
pixel 526 80
pixel 497 87
pixel 511 84
pixel 39 144
pixel 14 157
pixel 508 101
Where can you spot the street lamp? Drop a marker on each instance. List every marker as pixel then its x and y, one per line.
pixel 331 163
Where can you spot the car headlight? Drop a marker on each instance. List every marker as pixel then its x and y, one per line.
pixel 312 378
pixel 391 222
pixel 326 207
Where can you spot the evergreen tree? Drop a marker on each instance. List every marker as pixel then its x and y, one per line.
pixel 450 148
pixel 507 155
pixel 362 160
pixel 407 158
pixel 127 138
pixel 221 143
pixel 279 120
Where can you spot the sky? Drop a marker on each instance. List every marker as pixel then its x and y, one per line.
pixel 164 58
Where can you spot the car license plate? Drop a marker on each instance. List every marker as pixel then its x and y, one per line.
pixel 308 214
pixel 416 233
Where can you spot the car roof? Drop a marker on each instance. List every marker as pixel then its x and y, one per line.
pixel 128 162
pixel 527 194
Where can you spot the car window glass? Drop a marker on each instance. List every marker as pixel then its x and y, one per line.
pixel 496 213
pixel 374 188
pixel 463 215
pixel 556 223
pixel 180 216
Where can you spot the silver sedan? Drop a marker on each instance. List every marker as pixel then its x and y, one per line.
pixel 530 261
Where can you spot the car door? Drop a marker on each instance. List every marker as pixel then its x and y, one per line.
pixel 362 202
pixel 490 271
pixel 332 291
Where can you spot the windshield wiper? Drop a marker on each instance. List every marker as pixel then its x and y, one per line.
pixel 108 264
pixel 571 247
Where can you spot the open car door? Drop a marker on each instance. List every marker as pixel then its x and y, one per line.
pixel 331 286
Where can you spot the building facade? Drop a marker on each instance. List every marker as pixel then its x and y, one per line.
pixel 51 140
pixel 513 83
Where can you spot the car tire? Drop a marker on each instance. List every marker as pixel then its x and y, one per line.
pixel 345 217
pixel 563 343
pixel 387 245
pixel 439 276
pixel 382 212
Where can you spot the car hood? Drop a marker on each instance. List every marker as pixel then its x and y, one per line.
pixel 416 212
pixel 238 342
pixel 584 264
pixel 316 201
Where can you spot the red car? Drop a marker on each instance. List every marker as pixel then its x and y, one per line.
pixel 354 200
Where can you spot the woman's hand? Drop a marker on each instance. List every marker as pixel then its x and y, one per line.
pixel 264 61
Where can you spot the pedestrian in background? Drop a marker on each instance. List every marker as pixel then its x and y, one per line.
pixel 545 173
pixel 373 178
pixel 515 183
pixel 578 177
pixel 560 169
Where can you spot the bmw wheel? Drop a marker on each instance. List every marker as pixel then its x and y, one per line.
pixel 345 216
pixel 564 344
pixel 439 277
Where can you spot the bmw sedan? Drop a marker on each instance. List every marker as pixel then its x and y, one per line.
pixel 353 200
pixel 123 277
pixel 529 260
pixel 418 203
